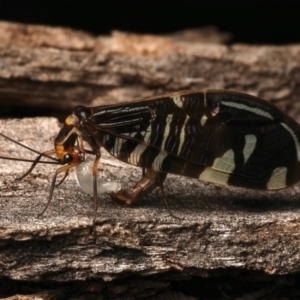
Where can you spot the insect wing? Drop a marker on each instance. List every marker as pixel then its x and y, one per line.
pixel 246 142
pixel 216 136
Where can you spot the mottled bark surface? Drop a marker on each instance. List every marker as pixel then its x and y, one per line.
pixel 219 227
pixel 231 236
pixel 59 68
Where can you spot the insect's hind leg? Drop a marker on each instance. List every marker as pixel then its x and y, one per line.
pixel 150 180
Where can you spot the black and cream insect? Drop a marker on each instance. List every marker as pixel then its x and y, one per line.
pixel 216 136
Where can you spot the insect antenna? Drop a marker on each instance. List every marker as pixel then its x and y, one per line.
pixel 35 161
pixel 57 161
pixel 29 160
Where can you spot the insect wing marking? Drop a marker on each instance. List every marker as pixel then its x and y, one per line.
pixel 182 135
pixel 214 176
pixel 117 146
pixel 203 120
pixel 278 179
pixel 158 161
pixel 225 163
pixel 177 100
pixel 250 143
pixel 135 155
pixel 166 130
pixel 254 110
pixel 147 134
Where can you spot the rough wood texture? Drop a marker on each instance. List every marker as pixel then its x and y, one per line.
pixel 219 227
pixel 60 68
pixel 235 234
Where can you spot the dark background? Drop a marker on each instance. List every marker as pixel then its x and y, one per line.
pixel 256 22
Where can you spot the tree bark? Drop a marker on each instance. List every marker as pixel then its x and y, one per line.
pixel 216 227
pixel 60 68
pixel 219 232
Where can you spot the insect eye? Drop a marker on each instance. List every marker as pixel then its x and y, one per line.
pixel 83 113
pixel 68 158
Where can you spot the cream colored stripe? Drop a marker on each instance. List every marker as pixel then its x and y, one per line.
pixel 221 169
pixel 132 134
pixel 256 111
pixel 214 176
pixel 157 163
pixel 136 154
pixel 278 179
pixel 182 135
pixel 177 100
pixel 203 120
pixel 250 143
pixel 117 146
pixel 225 163
pixel 166 131
pixel 147 134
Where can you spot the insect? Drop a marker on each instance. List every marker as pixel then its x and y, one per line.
pixel 217 136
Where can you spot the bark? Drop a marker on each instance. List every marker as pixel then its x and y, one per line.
pixel 60 68
pixel 238 235
pixel 216 227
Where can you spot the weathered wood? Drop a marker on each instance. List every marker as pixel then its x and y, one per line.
pixel 60 68
pixel 219 227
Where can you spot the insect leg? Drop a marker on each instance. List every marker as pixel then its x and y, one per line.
pixel 95 175
pixel 163 195
pixel 144 186
pixel 47 153
pixel 60 170
pixel 63 179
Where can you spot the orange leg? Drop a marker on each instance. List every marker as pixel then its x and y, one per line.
pixel 150 180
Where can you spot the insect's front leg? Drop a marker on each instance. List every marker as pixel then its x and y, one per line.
pixel 150 180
